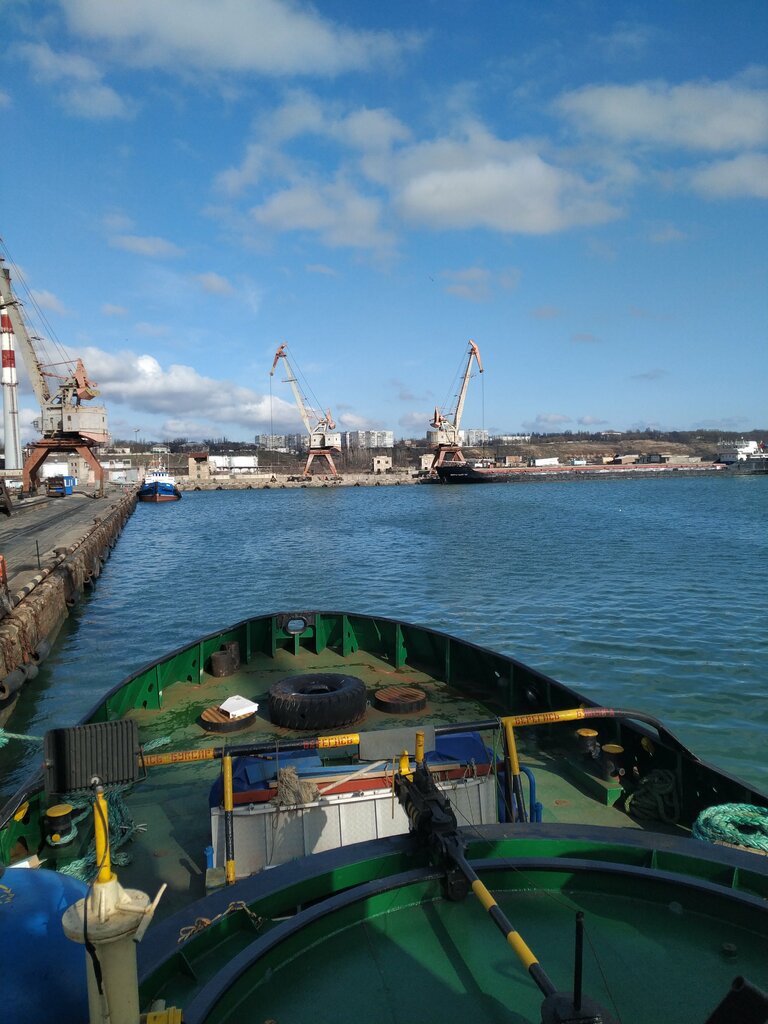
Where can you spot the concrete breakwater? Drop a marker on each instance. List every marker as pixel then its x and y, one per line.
pixel 33 613
pixel 254 481
pixel 521 474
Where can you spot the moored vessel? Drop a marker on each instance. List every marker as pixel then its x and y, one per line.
pixel 287 851
pixel 158 485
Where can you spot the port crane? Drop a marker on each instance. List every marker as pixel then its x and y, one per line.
pixel 61 389
pixel 323 442
pixel 447 427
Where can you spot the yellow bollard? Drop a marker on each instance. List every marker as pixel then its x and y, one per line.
pixel 101 835
pixel 419 746
pixel 405 765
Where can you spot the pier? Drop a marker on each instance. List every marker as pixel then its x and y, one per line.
pixel 52 550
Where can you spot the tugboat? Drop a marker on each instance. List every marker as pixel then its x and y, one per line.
pixel 159 485
pixel 407 827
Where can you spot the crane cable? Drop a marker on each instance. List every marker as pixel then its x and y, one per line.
pixel 40 341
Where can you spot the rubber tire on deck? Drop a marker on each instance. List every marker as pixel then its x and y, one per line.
pixel 316 701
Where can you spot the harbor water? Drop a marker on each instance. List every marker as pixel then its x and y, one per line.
pixel 648 594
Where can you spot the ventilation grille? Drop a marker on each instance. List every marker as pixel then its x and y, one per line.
pixel 107 750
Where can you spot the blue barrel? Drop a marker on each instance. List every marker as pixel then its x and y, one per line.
pixel 42 972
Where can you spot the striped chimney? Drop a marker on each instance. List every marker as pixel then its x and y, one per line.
pixel 10 386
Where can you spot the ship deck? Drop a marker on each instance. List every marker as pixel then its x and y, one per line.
pixel 171 804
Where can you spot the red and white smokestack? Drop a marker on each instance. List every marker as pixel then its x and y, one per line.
pixel 10 386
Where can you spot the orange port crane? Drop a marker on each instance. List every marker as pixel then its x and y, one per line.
pixel 447 427
pixel 66 424
pixel 323 442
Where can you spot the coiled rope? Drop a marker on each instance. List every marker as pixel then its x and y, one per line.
pixel 736 824
pixel 656 798
pixel 122 827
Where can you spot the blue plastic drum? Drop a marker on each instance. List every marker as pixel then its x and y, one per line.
pixel 42 972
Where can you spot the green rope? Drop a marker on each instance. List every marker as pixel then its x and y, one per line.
pixel 122 827
pixel 6 737
pixel 656 798
pixel 737 824
pixel 161 741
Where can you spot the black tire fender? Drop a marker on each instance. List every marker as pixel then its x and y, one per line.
pixel 317 700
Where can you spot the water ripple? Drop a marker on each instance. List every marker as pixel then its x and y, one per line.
pixel 651 594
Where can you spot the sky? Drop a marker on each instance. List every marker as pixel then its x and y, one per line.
pixel 580 187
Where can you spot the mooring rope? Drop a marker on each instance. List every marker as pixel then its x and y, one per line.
pixel 736 824
pixel 656 798
pixel 122 827
pixel 6 737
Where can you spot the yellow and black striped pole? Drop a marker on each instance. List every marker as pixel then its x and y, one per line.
pixel 284 746
pixel 513 768
pixel 229 822
pixel 502 922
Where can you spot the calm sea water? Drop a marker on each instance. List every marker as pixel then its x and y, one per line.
pixel 650 594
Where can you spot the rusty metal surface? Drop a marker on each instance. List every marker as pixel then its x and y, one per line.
pixel 397 699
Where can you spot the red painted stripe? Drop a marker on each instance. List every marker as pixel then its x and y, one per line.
pixel 9 357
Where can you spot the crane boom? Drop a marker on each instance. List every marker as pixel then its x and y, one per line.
pixel 23 340
pixel 474 352
pixel 293 381
pixel 448 426
pixel 321 441
pixel 66 424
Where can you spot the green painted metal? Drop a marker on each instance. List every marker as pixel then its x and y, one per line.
pixel 626 904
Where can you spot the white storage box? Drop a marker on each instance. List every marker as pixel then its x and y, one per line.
pixel 266 835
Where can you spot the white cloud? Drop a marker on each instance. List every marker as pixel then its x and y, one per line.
pixel 49 301
pixel 108 309
pixel 178 391
pixel 145 246
pixel 349 420
pixel 268 37
pixel 473 283
pixel 468 180
pixel 321 268
pixel 214 284
pixel 478 284
pixel 82 91
pixel 148 330
pixel 552 419
pixel 666 233
pixel 367 130
pixel 591 421
pixel 478 180
pixel 5 100
pixel 624 40
pixel 415 423
pixel 706 116
pixel 175 427
pixel 342 216
pixel 744 177
pixel 116 220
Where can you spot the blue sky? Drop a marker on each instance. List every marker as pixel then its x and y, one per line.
pixel 580 187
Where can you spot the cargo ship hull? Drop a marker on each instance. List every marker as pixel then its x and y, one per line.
pixel 464 473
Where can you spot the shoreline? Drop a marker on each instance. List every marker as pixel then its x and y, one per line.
pixel 407 478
